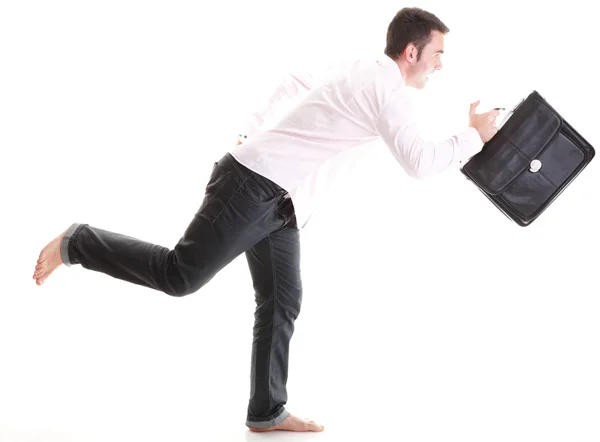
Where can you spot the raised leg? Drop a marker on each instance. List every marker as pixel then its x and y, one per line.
pixel 234 216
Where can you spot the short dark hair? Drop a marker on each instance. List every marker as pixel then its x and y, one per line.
pixel 411 25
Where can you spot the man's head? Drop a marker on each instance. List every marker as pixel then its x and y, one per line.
pixel 415 40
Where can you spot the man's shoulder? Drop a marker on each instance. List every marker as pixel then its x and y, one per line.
pixel 365 63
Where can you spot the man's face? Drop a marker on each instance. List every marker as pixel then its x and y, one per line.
pixel 418 72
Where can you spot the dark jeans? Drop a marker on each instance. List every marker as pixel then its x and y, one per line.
pixel 242 212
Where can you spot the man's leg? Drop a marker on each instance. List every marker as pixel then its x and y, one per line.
pixel 232 218
pixel 275 269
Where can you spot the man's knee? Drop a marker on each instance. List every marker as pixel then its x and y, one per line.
pixel 293 303
pixel 186 287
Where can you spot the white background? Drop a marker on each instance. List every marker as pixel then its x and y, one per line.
pixel 427 315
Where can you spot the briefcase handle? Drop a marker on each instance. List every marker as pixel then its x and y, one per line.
pixel 508 114
pixel 506 117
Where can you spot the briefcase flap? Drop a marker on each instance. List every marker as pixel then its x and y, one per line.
pixel 520 140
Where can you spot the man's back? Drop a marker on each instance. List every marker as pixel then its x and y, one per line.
pixel 338 113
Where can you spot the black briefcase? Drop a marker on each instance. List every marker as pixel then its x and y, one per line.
pixel 531 160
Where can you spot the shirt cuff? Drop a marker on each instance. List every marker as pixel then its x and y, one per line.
pixel 471 144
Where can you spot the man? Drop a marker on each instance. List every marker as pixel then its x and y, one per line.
pixel 261 193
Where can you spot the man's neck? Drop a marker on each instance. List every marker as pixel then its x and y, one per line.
pixel 402 66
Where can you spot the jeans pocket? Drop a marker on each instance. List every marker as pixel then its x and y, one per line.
pixel 253 191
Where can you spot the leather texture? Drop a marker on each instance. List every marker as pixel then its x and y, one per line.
pixel 530 161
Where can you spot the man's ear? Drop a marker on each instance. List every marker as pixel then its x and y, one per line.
pixel 410 53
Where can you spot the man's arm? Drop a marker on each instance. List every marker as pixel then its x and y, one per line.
pixel 399 129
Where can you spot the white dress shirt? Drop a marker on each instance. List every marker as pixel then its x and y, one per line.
pixel 338 111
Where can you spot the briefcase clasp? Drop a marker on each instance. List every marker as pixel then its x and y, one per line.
pixel 535 165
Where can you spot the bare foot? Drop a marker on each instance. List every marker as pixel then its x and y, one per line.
pixel 48 260
pixel 292 423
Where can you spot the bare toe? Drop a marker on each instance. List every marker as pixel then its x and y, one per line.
pixel 48 260
pixel 313 426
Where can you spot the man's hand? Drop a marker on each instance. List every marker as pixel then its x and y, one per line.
pixel 485 124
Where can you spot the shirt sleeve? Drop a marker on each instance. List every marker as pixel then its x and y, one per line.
pixel 399 128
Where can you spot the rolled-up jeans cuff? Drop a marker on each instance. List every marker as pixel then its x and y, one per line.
pixel 269 423
pixel 64 244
